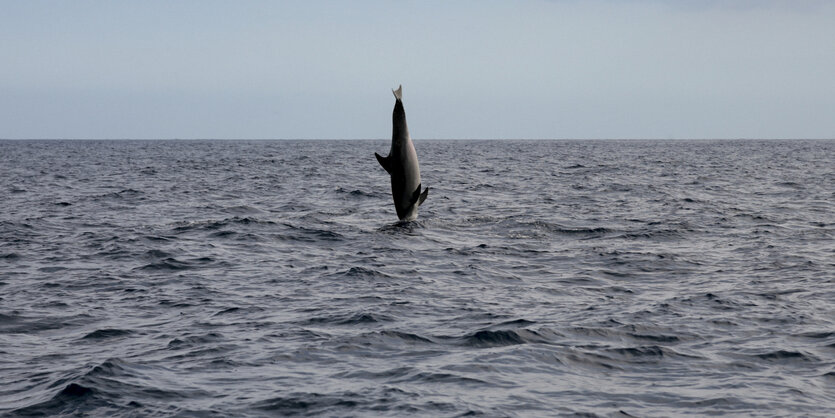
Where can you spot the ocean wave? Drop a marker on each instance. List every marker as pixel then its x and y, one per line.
pixel 123 194
pixel 209 225
pixel 238 311
pixel 242 210
pixel 357 318
pixel 110 386
pixel 106 333
pixel 357 193
pixel 503 337
pixel 195 341
pixel 439 378
pixel 651 233
pixel 358 272
pixel 403 227
pixel 173 264
pixel 406 336
pixel 308 403
pixel 72 399
pixel 307 234
pixel 786 355
pixel 22 324
pixel 647 353
pixel 526 228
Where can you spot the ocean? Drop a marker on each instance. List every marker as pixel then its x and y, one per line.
pixel 541 278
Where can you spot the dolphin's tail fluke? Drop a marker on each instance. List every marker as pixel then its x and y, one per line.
pixel 398 94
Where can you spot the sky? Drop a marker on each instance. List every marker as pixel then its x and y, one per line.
pixel 538 69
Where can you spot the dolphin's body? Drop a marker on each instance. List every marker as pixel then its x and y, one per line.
pixel 402 164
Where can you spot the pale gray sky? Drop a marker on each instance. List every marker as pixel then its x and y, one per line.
pixel 469 69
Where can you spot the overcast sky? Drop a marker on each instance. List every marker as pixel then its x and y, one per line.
pixel 469 69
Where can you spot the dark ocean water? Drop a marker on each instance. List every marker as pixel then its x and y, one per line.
pixel 247 278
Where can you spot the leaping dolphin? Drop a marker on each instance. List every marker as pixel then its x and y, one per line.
pixel 402 164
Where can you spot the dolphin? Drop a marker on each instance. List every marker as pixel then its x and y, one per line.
pixel 402 165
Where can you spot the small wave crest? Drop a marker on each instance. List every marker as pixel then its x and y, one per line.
pixel 123 194
pixel 358 318
pixel 503 337
pixel 521 228
pixel 786 356
pixel 356 193
pixel 308 403
pixel 173 264
pixel 98 389
pixel 308 234
pixel 106 333
pixel 357 272
pixel 211 225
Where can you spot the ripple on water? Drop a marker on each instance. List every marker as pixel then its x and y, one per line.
pixel 105 333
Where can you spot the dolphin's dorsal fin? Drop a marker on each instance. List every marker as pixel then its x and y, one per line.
pixel 423 196
pixel 384 161
pixel 398 94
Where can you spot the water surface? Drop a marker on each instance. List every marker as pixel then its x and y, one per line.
pixel 217 278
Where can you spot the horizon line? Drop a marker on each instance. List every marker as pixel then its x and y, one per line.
pixel 426 139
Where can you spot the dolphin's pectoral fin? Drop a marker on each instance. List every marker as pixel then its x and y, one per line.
pixel 416 196
pixel 423 196
pixel 384 161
